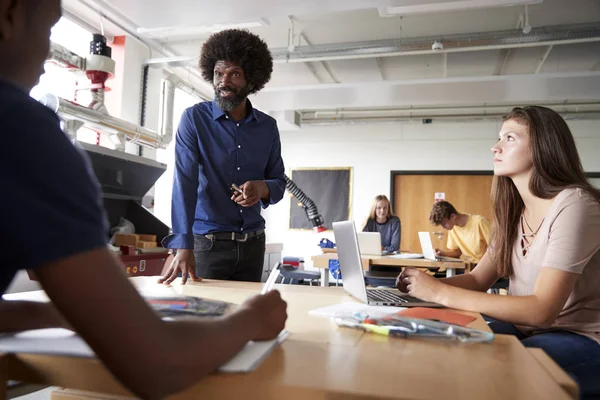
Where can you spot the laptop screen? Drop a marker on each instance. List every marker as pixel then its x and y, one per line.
pixel 353 278
pixel 427 246
pixel 369 243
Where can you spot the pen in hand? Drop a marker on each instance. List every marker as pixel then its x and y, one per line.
pixel 271 279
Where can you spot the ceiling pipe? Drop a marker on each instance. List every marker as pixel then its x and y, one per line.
pixel 431 111
pixel 526 27
pixel 165 120
pixel 432 119
pixel 441 51
pixel 584 110
pixel 510 39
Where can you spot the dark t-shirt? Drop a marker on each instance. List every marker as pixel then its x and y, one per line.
pixel 50 205
pixel 390 232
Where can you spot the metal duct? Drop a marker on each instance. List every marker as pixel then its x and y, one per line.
pixel 580 110
pixel 64 57
pixel 489 109
pixel 587 115
pixel 68 110
pixel 453 43
pixel 165 120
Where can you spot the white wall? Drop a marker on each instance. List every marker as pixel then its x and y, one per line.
pixel 373 150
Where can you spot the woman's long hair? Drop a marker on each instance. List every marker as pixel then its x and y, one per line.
pixel 556 166
pixel 371 215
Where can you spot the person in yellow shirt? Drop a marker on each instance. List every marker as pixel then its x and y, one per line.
pixel 468 233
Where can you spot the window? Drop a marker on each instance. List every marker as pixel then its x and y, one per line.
pixel 63 82
pixel 55 79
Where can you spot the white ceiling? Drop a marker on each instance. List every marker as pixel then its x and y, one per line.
pixel 342 83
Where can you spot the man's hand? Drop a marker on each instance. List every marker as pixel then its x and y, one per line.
pixel 439 253
pixel 183 262
pixel 252 192
pixel 271 313
pixel 420 285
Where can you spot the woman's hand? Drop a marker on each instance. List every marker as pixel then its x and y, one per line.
pixel 420 285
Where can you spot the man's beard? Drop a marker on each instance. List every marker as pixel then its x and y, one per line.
pixel 230 104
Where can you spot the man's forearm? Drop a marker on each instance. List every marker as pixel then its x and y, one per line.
pixel 276 187
pixel 452 253
pixel 18 316
pixel 266 193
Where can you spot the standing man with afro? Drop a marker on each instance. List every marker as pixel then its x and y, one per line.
pixel 219 233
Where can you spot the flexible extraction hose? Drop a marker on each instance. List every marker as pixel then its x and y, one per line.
pixel 309 206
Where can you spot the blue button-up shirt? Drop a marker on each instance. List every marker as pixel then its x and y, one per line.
pixel 211 152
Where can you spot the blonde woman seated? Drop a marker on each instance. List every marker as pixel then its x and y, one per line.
pixel 381 219
pixel 545 239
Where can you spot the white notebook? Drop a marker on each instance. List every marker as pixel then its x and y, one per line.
pixel 63 342
pixel 406 256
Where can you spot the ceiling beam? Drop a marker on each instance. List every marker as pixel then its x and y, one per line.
pixel 326 66
pixel 445 65
pixel 543 59
pixel 380 68
pixel 311 68
pixel 503 56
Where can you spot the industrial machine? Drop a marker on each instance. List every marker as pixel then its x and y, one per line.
pixel 125 178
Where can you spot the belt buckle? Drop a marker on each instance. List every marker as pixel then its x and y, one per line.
pixel 244 239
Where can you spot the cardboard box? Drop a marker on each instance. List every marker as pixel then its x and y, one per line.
pixel 137 240
pixel 126 239
pixel 142 244
pixel 147 238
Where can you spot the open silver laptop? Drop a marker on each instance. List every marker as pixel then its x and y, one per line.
pixel 428 250
pixel 352 273
pixel 369 243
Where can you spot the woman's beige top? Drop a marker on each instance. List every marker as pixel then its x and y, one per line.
pixel 568 239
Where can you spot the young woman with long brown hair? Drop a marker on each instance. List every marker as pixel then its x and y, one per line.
pixel 545 239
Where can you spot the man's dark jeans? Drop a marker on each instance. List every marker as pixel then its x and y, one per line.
pixel 230 259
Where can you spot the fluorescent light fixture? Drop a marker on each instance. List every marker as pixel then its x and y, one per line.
pixel 446 6
pixel 174 31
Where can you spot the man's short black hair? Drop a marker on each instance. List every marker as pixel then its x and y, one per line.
pixel 241 48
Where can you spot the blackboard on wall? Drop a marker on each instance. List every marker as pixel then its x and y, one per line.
pixel 329 188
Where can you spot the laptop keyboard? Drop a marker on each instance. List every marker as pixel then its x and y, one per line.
pixel 387 296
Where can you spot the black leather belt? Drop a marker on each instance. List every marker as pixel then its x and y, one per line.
pixel 240 237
